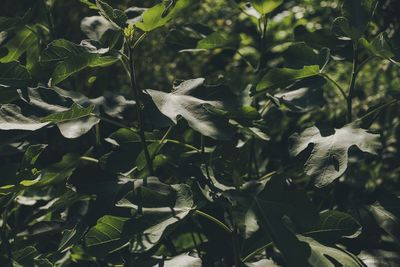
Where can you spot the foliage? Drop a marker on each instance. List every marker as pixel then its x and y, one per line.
pixel 270 136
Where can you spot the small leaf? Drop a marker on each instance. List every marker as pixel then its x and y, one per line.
pixel 328 159
pixel 386 212
pixel 155 17
pixel 117 17
pixel 219 40
pixel 300 54
pixel 278 78
pixel 382 46
pixel 75 112
pixel 266 6
pixel 334 225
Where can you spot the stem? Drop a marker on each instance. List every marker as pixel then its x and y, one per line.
pixel 394 101
pixel 50 20
pixel 352 84
pixel 340 88
pixel 139 105
pixel 255 252
pixel 89 159
pixel 214 220
pixel 261 63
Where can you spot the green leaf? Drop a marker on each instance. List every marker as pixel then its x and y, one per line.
pixel 266 6
pixel 322 255
pixel 328 159
pixel 334 225
pixel 273 204
pixel 278 78
pixel 189 100
pixel 22 42
pixel 356 16
pixel 143 232
pixel 75 112
pixel 155 16
pixel 300 54
pixel 68 58
pixel 115 16
pixel 107 235
pixel 381 46
pixel 56 173
pixel 219 40
pixel 14 74
pixel 386 212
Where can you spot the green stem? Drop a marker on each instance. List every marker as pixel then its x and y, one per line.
pixel 214 220
pixel 340 88
pixel 394 101
pixel 352 84
pixel 261 63
pixel 257 251
pixel 89 159
pixel 139 105
pixel 50 20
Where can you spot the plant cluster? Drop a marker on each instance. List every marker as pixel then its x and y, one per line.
pixel 271 138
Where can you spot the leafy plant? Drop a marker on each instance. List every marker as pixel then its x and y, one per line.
pixel 270 136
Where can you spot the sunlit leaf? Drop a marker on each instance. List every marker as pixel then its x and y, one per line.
pixel 329 157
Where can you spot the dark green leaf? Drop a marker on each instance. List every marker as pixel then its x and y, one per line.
pixel 219 40
pixel 14 74
pixel 115 16
pixel 278 78
pixel 75 112
pixel 69 58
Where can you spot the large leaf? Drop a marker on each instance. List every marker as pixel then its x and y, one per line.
pixel 328 159
pixel 278 78
pixel 266 6
pixel 322 255
pixel 12 118
pixel 68 58
pixel 14 74
pixel 158 15
pixel 190 100
pixel 273 208
pixel 143 232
